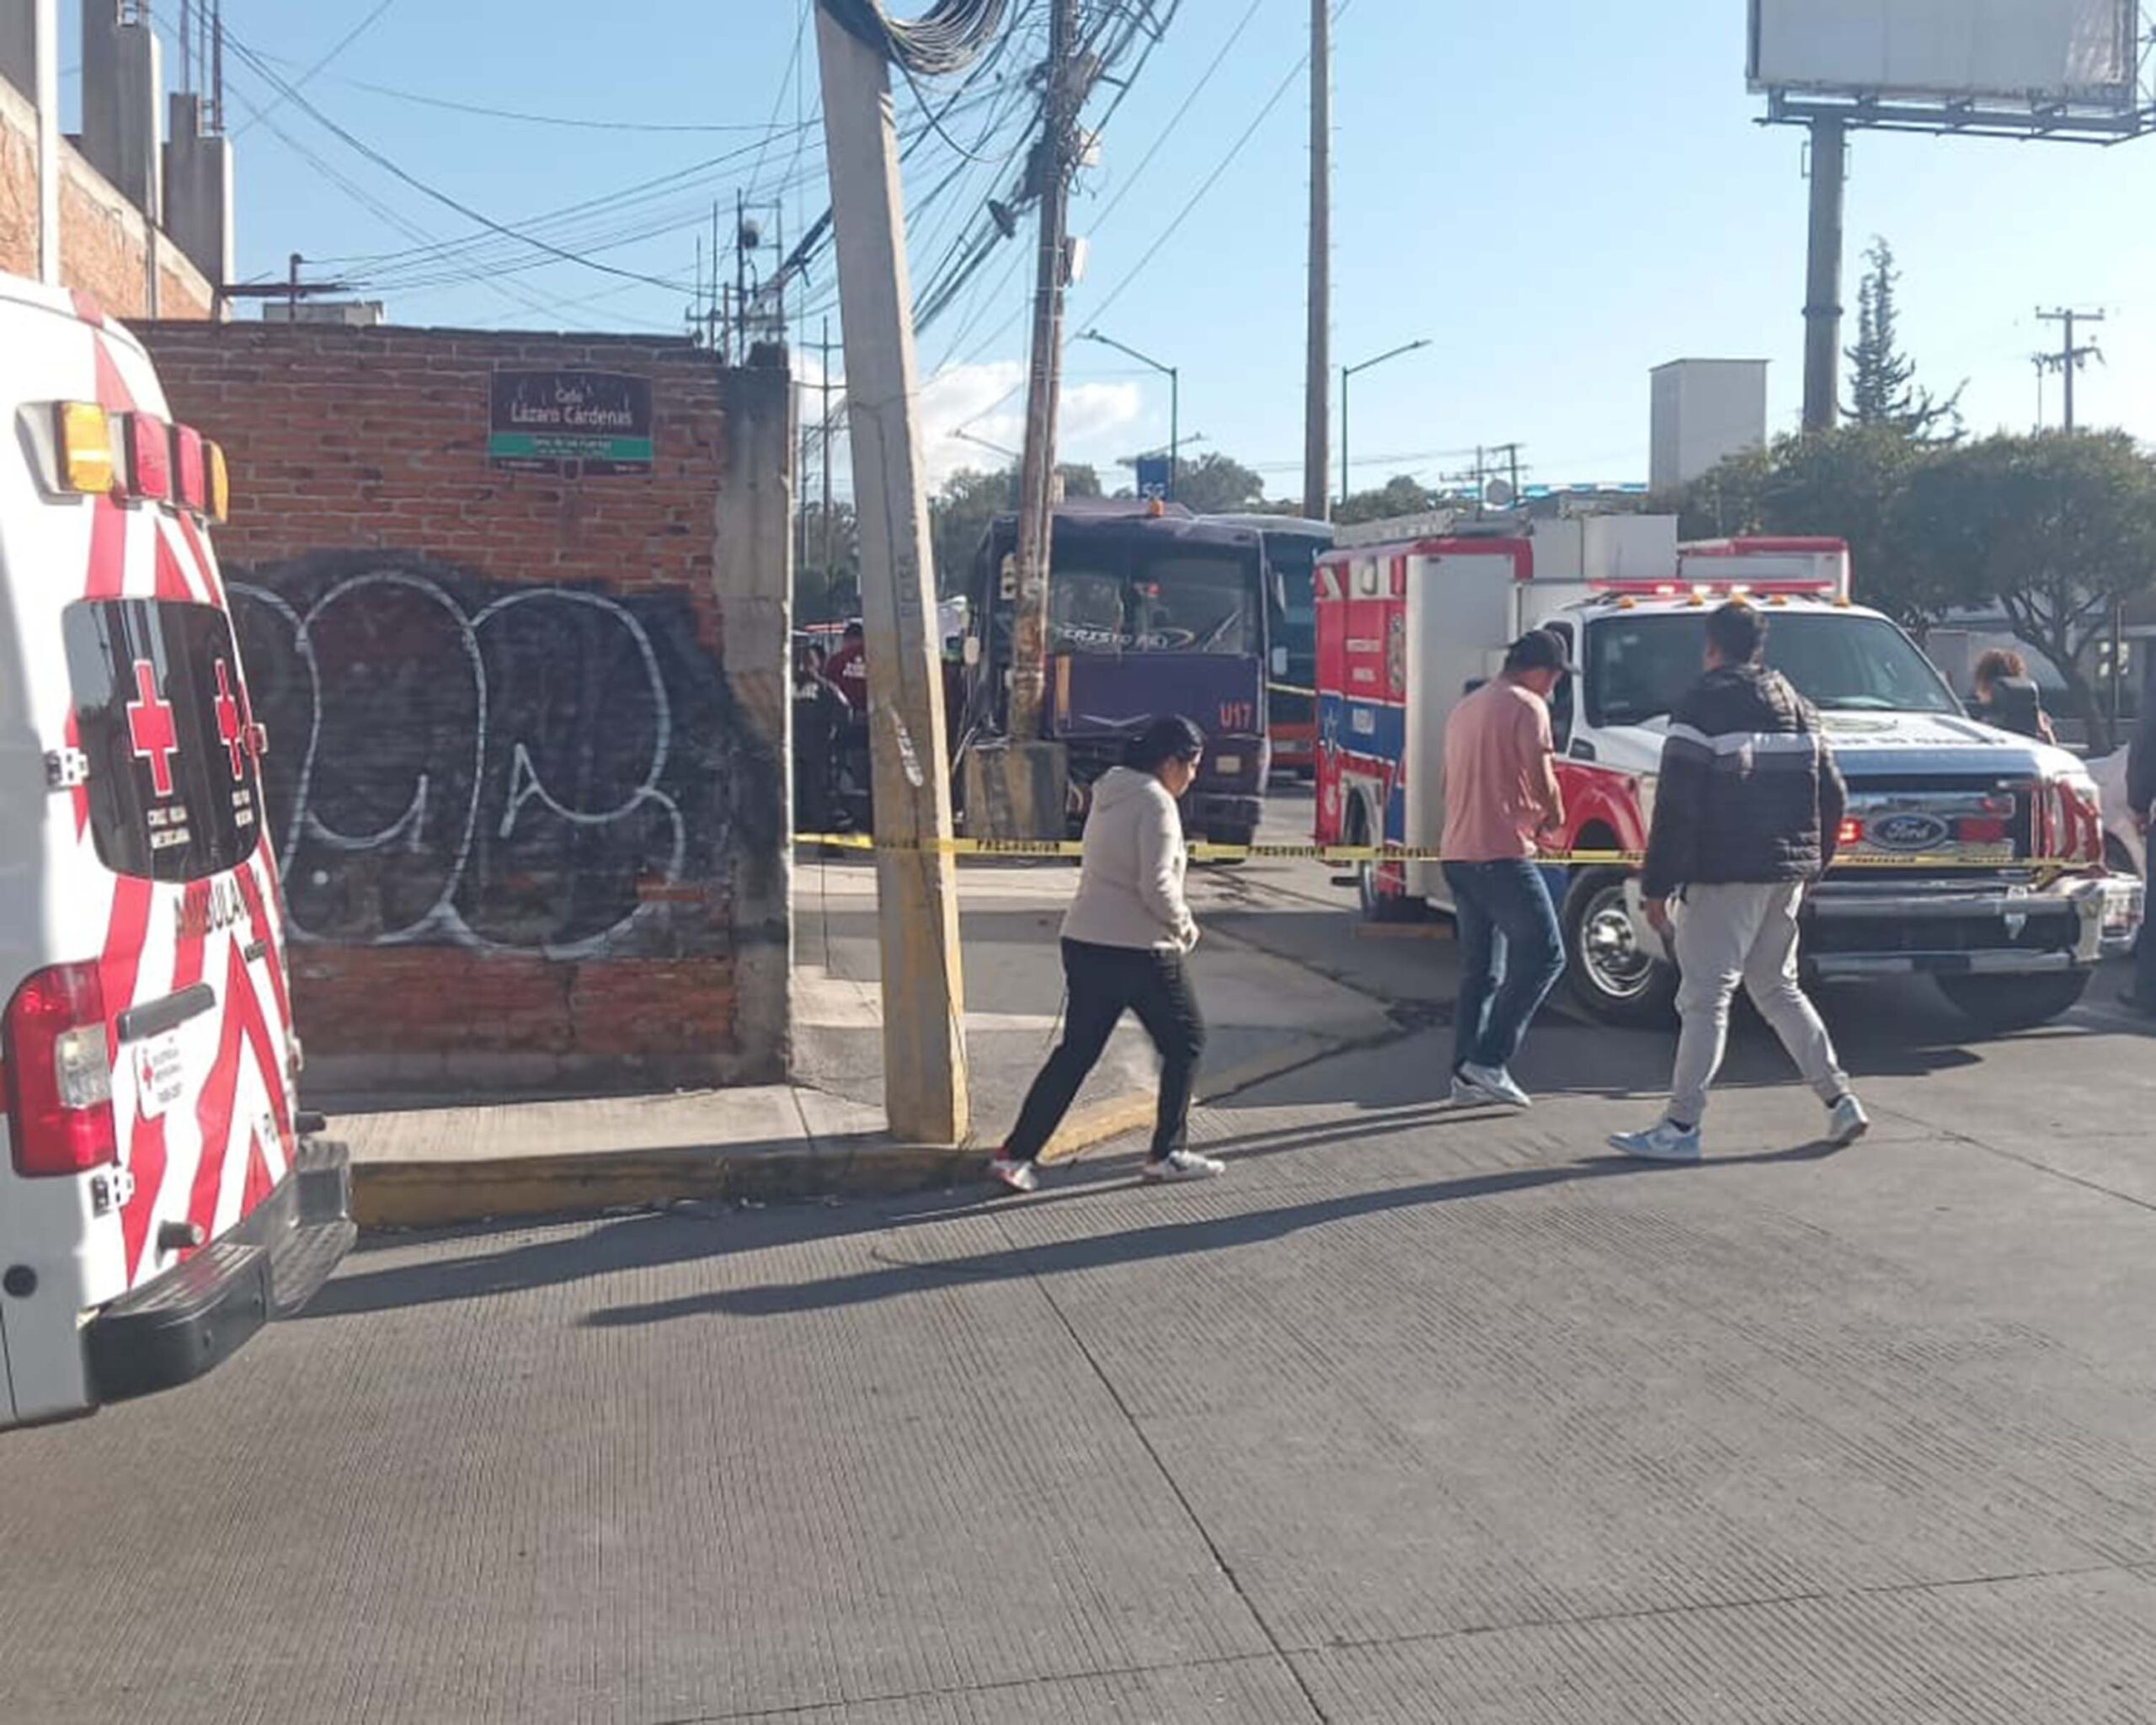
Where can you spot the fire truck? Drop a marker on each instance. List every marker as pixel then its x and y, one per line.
pixel 1969 854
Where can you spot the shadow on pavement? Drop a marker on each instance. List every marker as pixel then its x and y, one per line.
pixel 1141 1245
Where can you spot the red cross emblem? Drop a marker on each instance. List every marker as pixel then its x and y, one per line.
pixel 231 732
pixel 150 727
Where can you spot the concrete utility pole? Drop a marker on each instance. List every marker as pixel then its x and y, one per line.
pixel 46 23
pixel 1317 406
pixel 1058 154
pixel 925 1093
pixel 1822 307
pixel 2070 359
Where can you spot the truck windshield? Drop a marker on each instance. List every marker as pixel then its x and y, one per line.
pixel 1188 602
pixel 1639 667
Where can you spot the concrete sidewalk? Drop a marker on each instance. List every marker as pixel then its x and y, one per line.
pixel 825 1134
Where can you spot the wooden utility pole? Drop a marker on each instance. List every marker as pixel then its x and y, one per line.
pixel 925 1094
pixel 2071 358
pixel 1058 154
pixel 1317 406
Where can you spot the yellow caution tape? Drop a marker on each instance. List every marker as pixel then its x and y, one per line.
pixel 1203 851
pixel 1292 689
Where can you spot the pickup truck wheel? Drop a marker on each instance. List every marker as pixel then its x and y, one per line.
pixel 1612 976
pixel 2000 1004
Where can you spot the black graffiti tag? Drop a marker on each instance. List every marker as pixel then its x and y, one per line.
pixel 455 760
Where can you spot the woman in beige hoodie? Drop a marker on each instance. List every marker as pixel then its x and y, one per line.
pixel 1124 941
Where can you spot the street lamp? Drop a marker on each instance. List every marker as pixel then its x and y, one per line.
pixel 1175 399
pixel 1347 372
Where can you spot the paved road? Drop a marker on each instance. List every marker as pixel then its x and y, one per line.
pixel 1414 1417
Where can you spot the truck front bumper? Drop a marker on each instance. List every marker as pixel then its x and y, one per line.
pixel 1853 931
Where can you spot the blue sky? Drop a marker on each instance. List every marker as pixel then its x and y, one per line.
pixel 1558 198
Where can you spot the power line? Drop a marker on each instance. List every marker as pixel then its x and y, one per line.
pixel 308 76
pixel 391 167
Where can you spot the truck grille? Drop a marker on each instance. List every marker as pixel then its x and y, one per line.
pixel 1985 825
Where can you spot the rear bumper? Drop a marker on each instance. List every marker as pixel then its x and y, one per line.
pixel 194 1318
pixel 1218 815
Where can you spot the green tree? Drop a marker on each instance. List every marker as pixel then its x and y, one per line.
pixel 1883 389
pixel 1843 484
pixel 2057 531
pixel 1215 484
pixel 961 511
pixel 1403 494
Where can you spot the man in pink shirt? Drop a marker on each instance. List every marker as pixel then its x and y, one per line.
pixel 1501 797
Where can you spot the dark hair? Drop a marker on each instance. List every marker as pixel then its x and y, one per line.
pixel 1737 631
pixel 1999 665
pixel 1163 740
pixel 855 632
pixel 1538 649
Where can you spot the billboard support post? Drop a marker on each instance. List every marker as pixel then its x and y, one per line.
pixel 1822 305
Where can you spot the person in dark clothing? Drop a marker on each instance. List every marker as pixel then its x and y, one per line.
pixel 1748 811
pixel 2007 697
pixel 849 668
pixel 1124 940
pixel 820 717
pixel 2141 798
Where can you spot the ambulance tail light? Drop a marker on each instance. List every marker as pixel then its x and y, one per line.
pixel 189 473
pixel 149 458
pixel 84 432
pixel 59 1061
pixel 1851 834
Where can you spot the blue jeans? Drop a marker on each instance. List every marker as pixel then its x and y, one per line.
pixel 1512 953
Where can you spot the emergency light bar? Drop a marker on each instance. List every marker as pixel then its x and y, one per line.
pixel 1791 587
pixel 137 459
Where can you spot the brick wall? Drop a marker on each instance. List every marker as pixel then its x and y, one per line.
pixel 103 238
pixel 529 824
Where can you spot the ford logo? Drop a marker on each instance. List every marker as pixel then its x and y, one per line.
pixel 1910 834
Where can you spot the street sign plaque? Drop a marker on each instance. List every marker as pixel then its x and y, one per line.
pixel 585 423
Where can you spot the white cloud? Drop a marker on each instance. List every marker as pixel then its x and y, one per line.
pixel 974 416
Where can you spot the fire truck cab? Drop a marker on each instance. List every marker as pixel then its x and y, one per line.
pixel 1970 854
pixel 160 1196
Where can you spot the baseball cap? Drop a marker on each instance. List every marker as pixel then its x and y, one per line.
pixel 1541 649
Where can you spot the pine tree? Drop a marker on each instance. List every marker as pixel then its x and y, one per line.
pixel 1884 392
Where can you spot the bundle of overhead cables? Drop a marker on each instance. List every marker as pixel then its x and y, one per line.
pixel 942 40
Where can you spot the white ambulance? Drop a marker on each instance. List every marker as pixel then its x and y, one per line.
pixel 1969 855
pixel 160 1198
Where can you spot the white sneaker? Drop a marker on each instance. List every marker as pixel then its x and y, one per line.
pixel 1471 1096
pixel 1019 1177
pixel 1184 1165
pixel 1847 1122
pixel 1497 1083
pixel 1668 1143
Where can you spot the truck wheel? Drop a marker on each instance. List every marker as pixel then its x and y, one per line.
pixel 1377 907
pixel 1616 980
pixel 2000 1004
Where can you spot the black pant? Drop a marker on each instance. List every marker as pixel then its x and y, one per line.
pixel 1105 983
pixel 2144 958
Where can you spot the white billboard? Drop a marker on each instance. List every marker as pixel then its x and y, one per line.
pixel 2041 52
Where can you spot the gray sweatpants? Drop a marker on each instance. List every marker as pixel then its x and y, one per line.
pixel 1745 933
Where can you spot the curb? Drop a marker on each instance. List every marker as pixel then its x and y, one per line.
pixel 445 1195
pixel 451 1194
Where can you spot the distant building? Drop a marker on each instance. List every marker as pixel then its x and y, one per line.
pixel 353 314
pixel 144 190
pixel 1704 411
